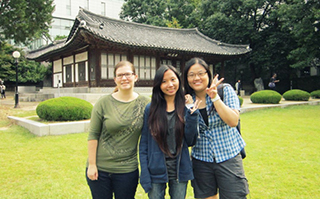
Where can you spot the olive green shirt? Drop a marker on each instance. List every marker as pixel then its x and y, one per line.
pixel 117 127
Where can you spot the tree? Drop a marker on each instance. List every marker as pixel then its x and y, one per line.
pixel 150 12
pixel 283 34
pixel 59 37
pixel 302 18
pixel 28 71
pixel 24 21
pixel 249 22
pixel 171 13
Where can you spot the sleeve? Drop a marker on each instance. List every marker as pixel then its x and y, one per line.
pixel 145 179
pixel 95 122
pixel 230 98
pixel 191 127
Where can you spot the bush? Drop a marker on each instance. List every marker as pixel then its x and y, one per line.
pixel 296 95
pixel 64 109
pixel 240 100
pixel 265 97
pixel 315 94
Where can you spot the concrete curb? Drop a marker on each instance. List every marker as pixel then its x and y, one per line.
pixel 281 105
pixel 61 128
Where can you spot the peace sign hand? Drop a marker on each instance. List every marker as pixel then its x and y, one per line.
pixel 212 91
pixel 190 105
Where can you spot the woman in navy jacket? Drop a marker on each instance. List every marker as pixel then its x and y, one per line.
pixel 169 128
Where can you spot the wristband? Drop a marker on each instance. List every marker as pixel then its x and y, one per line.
pixel 217 97
pixel 189 106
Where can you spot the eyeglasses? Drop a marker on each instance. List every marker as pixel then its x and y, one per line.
pixel 193 75
pixel 127 75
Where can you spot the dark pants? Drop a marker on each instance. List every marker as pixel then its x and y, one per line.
pixel 3 94
pixel 123 185
pixel 228 177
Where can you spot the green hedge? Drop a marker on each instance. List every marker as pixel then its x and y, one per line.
pixel 315 94
pixel 240 100
pixel 265 97
pixel 296 95
pixel 64 109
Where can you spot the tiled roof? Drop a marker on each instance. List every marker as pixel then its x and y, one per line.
pixel 144 36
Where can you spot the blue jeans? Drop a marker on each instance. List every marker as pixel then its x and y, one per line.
pixel 177 190
pixel 123 185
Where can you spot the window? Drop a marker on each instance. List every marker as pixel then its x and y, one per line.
pixel 108 62
pixel 104 73
pixel 145 66
pixel 60 27
pixel 178 66
pixel 166 62
pixel 103 9
pixel 68 7
pixel 86 6
pixel 174 63
pixel 69 73
pixel 82 71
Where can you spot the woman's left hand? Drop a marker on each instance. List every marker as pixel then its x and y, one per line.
pixel 195 106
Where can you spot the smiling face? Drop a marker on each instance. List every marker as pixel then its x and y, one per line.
pixel 125 77
pixel 198 78
pixel 170 83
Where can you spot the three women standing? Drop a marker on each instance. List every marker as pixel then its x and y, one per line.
pixel 217 164
pixel 115 128
pixel 168 129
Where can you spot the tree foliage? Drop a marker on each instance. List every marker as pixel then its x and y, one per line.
pixel 28 71
pixel 171 13
pixel 302 18
pixel 24 21
pixel 282 34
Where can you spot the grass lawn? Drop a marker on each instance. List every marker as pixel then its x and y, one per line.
pixel 282 157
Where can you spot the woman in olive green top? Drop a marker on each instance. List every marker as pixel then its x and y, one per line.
pixel 115 128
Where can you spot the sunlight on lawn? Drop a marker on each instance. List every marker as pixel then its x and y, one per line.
pixel 282 158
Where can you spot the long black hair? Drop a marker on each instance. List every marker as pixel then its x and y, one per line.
pixel 191 62
pixel 158 122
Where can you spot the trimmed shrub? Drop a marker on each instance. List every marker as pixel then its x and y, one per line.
pixel 240 100
pixel 315 94
pixel 265 97
pixel 64 109
pixel 296 95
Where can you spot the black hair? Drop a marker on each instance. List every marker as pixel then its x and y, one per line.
pixel 157 121
pixel 191 62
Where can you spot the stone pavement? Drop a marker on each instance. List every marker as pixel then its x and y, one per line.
pixel 9 102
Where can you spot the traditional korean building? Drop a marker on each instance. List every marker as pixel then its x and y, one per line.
pixel 97 43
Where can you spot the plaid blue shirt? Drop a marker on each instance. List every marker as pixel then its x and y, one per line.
pixel 218 141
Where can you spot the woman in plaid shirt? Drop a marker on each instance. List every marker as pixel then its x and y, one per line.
pixel 217 164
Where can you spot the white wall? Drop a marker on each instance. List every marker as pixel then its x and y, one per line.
pixel 63 19
pixel 113 7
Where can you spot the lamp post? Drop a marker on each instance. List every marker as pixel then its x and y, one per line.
pixel 16 56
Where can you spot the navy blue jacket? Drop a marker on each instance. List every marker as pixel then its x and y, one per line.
pixel 152 159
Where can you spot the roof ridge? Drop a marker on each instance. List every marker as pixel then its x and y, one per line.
pixel 220 43
pixel 86 12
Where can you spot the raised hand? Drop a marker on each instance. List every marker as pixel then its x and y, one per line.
pixel 193 106
pixel 212 91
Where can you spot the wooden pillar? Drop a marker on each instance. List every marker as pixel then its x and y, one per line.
pixel 222 70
